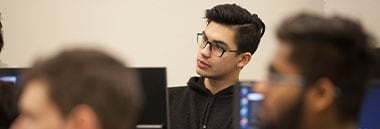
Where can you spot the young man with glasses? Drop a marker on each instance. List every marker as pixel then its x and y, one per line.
pixel 318 76
pixel 226 45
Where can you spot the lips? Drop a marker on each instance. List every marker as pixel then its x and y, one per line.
pixel 202 64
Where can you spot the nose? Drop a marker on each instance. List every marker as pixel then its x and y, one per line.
pixel 206 51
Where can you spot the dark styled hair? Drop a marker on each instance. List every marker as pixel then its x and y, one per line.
pixel 92 78
pixel 1 35
pixel 249 27
pixel 333 47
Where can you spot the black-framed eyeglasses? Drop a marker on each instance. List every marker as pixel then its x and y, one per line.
pixel 217 49
pixel 295 80
pixel 282 79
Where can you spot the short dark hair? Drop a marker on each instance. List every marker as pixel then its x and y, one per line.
pixel 249 27
pixel 92 78
pixel 1 35
pixel 333 47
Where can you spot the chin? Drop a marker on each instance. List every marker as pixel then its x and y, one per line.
pixel 202 73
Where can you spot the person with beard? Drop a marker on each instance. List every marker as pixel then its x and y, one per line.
pixel 319 74
pixel 226 45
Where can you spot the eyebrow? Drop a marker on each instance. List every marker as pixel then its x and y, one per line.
pixel 215 41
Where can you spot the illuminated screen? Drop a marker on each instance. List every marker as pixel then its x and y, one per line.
pixel 11 75
pixel 248 103
pixel 370 112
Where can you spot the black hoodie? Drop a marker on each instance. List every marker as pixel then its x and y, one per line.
pixel 195 107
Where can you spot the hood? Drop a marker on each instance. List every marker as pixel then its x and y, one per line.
pixel 197 84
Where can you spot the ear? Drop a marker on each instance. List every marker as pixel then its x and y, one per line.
pixel 244 59
pixel 84 117
pixel 321 96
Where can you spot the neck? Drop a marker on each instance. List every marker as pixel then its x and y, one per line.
pixel 215 85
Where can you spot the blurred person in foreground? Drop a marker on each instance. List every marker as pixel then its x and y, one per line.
pixel 319 74
pixel 79 89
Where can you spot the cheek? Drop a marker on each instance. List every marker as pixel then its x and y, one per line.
pixel 50 118
pixel 280 99
pixel 224 65
pixel 227 62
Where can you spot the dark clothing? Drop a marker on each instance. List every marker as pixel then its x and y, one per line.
pixel 195 107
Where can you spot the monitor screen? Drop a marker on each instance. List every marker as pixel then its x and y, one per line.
pixel 11 75
pixel 370 111
pixel 246 105
pixel 155 89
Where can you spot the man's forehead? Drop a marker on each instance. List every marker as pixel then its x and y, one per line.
pixel 219 32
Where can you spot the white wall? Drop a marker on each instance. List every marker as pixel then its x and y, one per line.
pixel 364 11
pixel 147 33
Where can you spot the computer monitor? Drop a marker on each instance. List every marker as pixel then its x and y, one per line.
pixel 11 75
pixel 246 103
pixel 155 89
pixel 370 111
pixel 153 80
